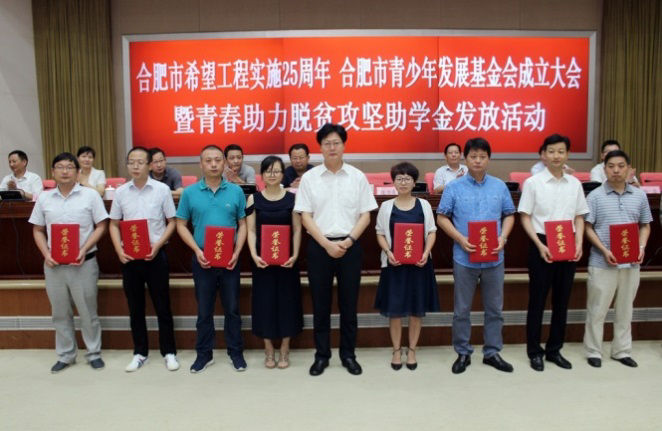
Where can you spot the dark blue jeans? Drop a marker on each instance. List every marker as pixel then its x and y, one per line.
pixel 207 281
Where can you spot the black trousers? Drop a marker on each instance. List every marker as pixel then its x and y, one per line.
pixel 155 274
pixel 559 276
pixel 321 270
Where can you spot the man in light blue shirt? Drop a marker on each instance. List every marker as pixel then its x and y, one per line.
pixel 477 197
pixel 213 201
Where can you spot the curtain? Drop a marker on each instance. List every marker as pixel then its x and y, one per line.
pixel 631 93
pixel 74 67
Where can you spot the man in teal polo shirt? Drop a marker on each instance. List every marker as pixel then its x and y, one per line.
pixel 214 201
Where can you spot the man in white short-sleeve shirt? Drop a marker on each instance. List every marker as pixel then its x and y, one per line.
pixel 70 203
pixel 335 201
pixel 551 195
pixel 452 170
pixel 144 198
pixel 20 178
pixel 598 171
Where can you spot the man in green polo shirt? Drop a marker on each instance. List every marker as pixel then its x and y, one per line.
pixel 214 201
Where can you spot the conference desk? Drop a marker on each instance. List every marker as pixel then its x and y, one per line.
pixel 24 307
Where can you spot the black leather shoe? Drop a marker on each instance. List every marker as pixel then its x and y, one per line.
pixel 318 367
pixel 411 365
pixel 352 366
pixel 537 363
pixel 59 366
pixel 559 360
pixel 594 362
pixel 497 362
pixel 461 364
pixel 395 366
pixel 628 361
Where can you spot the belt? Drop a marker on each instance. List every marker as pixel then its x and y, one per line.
pixel 337 238
pixel 89 256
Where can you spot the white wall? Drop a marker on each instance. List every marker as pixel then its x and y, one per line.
pixel 19 106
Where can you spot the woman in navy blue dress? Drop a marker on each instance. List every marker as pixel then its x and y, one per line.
pixel 405 290
pixel 276 292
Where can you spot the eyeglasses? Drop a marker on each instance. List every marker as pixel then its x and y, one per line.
pixel 298 159
pixel 136 162
pixel 157 162
pixel 273 173
pixel 328 144
pixel 64 168
pixel 404 180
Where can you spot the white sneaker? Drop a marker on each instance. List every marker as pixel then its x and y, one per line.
pixel 171 362
pixel 137 362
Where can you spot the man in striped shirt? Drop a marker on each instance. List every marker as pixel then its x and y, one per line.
pixel 615 202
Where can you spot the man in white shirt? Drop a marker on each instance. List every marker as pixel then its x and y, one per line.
pixel 540 165
pixel 452 170
pixel 335 201
pixel 146 198
pixel 76 284
pixel 20 178
pixel 550 195
pixel 598 171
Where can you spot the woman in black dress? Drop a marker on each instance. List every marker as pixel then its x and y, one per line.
pixel 405 290
pixel 276 293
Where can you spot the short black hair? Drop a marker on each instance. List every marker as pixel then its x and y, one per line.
pixel 452 144
pixel 555 139
pixel 477 144
pixel 541 149
pixel 269 161
pixel 329 128
pixel 299 146
pixel 210 147
pixel 139 148
pixel 156 150
pixel 617 153
pixel 85 149
pixel 21 155
pixel 404 168
pixel 609 142
pixel 65 156
pixel 232 147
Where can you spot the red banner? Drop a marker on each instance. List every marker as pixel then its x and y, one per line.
pixel 399 94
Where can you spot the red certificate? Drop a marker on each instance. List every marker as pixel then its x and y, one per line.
pixel 624 242
pixel 560 239
pixel 135 238
pixel 408 241
pixel 483 234
pixel 64 242
pixel 275 243
pixel 219 245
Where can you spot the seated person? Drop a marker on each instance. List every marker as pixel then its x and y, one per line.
pixel 160 171
pixel 598 171
pixel 20 178
pixel 299 157
pixel 542 164
pixel 88 176
pixel 452 170
pixel 235 170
